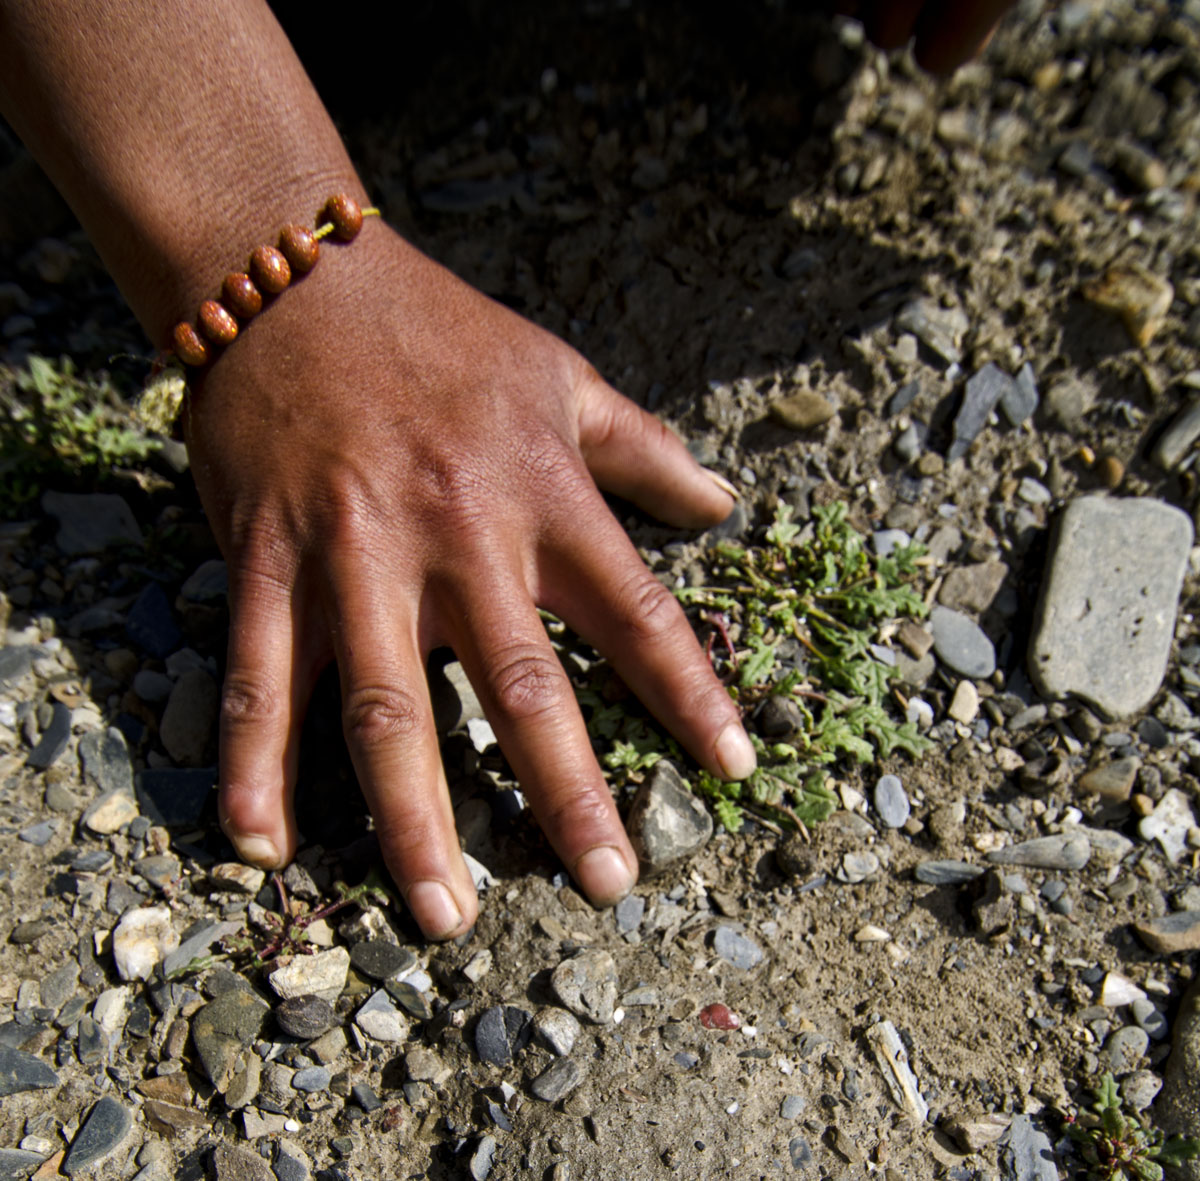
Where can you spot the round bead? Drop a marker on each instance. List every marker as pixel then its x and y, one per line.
pixel 300 247
pixel 216 323
pixel 270 270
pixel 241 297
pixel 188 344
pixel 345 215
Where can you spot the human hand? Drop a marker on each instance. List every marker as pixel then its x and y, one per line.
pixel 393 462
pixel 947 32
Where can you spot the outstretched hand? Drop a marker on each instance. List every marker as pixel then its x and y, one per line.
pixel 393 462
pixel 946 32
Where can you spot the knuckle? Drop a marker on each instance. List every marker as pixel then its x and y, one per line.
pixel 526 682
pixel 248 700
pixel 647 609
pixel 409 843
pixel 583 812
pixel 375 715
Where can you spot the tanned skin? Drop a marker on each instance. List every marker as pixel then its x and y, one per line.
pixel 391 462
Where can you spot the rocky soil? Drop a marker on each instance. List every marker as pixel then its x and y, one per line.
pixel 970 309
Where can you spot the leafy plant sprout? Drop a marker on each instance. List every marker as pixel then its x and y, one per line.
pixel 1117 1146
pixel 799 617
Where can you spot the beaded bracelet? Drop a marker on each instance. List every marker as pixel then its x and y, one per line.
pixel 270 271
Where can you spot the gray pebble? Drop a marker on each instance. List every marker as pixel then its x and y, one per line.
pixel 54 739
pixel 1125 1049
pixel 1055 852
pixel 891 801
pixel 1149 1018
pixel 38 834
pixel 311 1078
pixel 628 912
pixel 587 985
pixel 946 873
pixel 378 959
pixel 107 1124
pixel 557 1030
pixel 961 644
pixel 558 1079
pixel 501 1032
pixel 1140 1089
pixel 791 1107
pixel 800 1153
pixel 736 949
pixel 984 390
pixel 23 1072
pixel 482 1158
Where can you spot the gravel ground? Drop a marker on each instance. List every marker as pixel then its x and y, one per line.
pixel 970 309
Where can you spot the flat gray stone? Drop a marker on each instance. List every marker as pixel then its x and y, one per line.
pixel 1178 1106
pixel 223 1032
pixel 311 1079
pixel 587 985
pixel 1171 933
pixel 501 1033
pixel 736 949
pixel 480 1164
pixel 197 945
pixel 559 1079
pixel 1125 1049
pixel 90 523
pixel 105 1128
pixel 1026 1153
pixel 106 762
pixel 230 1163
pixel 984 390
pixel 628 913
pixel 946 873
pixel 961 644
pixel 53 741
pixel 1106 616
pixel 23 1072
pixel 16 1165
pixel 1056 852
pixel 189 721
pixel 15 664
pixel 939 329
pixel 1020 401
pixel 667 822
pixel 291 1162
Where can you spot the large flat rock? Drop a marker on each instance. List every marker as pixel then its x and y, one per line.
pixel 1107 610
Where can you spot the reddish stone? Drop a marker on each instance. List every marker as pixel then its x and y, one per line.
pixel 719 1016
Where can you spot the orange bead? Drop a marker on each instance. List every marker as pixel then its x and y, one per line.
pixel 188 344
pixel 345 215
pixel 300 247
pixel 241 297
pixel 270 270
pixel 216 323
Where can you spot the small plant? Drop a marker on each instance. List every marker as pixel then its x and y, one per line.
pixel 795 619
pixel 289 935
pixel 1119 1146
pixel 54 422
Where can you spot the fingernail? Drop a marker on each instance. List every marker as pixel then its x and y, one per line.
pixel 604 875
pixel 256 850
pixel 722 483
pixel 735 753
pixel 434 908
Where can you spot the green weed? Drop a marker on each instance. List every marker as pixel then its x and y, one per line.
pixel 796 618
pixel 1116 1145
pixel 55 424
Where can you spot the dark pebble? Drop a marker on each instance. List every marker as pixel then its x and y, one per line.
pixel 304 1017
pixel 23 1072
pixel 103 1130
pixel 379 960
pixel 175 796
pixel 501 1032
pixel 364 1095
pixel 946 873
pixel 54 739
pixel 558 1079
pixel 151 624
pixel 800 1152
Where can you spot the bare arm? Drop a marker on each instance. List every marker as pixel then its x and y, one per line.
pixel 390 461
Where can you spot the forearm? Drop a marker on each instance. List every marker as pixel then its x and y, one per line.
pixel 182 132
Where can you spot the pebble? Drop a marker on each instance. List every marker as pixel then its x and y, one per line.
pixel 1171 933
pixel 984 390
pixel 667 821
pixel 587 985
pixel 1149 1018
pixel 223 1030
pixel 16 1164
pixel 110 812
pixel 323 975
pixel 20 1071
pixel 150 624
pixel 1169 823
pixel 188 721
pixel 502 1032
pixel 559 1079
pixel 480 1164
pixel 628 913
pixel 422 1065
pixel 175 796
pixel 1070 851
pixel 1125 1049
pixel 802 411
pixel 54 740
pixel 891 801
pixel 791 1107
pixel 237 878
pixel 964 705
pixel 940 329
pixel 140 941
pixel 39 834
pixel 292 1162
pixel 858 867
pixel 557 1030
pixel 230 1163
pixel 311 1079
pixel 1026 1153
pixel 1106 616
pixel 719 1016
pixel 1118 990
pixel 1180 436
pixel 380 1019
pixel 961 644
pixel 1019 401
pixel 152 687
pixel 103 1131
pixel 1178 1106
pixel 799 1153
pixel 105 760
pixel 380 959
pixel 946 873
pixel 972 588
pixel 1140 1088
pixel 410 995
pixel 736 949
pixel 305 1017
pixel 1111 781
pixel 90 523
pixel 1140 297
